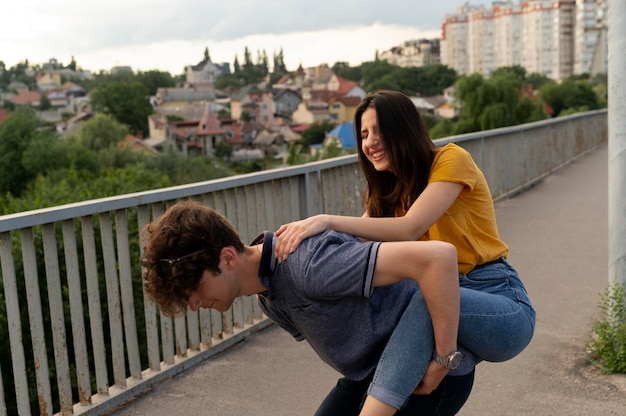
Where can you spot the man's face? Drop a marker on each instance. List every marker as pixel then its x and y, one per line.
pixel 214 291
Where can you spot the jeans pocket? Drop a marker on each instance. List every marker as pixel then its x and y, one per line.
pixel 491 278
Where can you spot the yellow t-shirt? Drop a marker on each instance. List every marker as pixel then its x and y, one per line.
pixel 470 222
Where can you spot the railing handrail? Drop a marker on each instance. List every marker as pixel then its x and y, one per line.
pixel 78 209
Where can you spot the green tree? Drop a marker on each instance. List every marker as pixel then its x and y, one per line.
pixel 537 80
pixel 279 63
pixel 374 72
pixel 571 95
pixel 387 82
pixel 153 80
pixel 72 64
pixel 44 103
pixel 127 102
pixel 17 132
pixel 228 80
pixel 316 133
pixel 344 70
pixel 102 132
pixel 236 67
pixel 222 150
pixel 61 156
pixel 433 79
pixel 443 128
pixel 494 102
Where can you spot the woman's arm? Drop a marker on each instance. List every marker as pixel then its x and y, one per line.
pixel 425 211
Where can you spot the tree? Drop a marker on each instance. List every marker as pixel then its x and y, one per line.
pixel 279 63
pixel 72 64
pixel 344 70
pixel 236 67
pixel 571 94
pixel 100 133
pixel 44 103
pixel 504 99
pixel 153 80
pixel 16 133
pixel 207 57
pixel 61 156
pixel 127 102
pixel 433 79
pixel 316 133
pixel 537 80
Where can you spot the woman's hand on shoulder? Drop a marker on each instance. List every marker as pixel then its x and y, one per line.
pixel 290 235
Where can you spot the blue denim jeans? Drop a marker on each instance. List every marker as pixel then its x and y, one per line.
pixel 496 323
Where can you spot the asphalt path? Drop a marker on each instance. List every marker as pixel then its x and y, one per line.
pixel 558 239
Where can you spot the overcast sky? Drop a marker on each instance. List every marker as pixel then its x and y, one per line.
pixel 170 34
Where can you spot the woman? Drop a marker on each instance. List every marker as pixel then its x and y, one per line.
pixel 416 191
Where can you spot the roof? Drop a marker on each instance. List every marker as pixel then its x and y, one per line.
pixel 209 124
pixel 345 85
pixel 135 144
pixel 428 103
pixel 25 97
pixel 186 94
pixel 348 101
pixel 267 137
pixel 344 132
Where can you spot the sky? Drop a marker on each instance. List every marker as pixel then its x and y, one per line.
pixel 168 35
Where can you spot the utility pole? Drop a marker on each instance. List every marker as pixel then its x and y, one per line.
pixel 617 140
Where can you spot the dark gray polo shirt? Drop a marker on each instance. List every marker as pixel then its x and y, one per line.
pixel 323 293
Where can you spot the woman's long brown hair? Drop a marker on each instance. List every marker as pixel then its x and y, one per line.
pixel 409 150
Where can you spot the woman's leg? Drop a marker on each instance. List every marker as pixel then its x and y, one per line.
pixel 497 318
pixel 496 323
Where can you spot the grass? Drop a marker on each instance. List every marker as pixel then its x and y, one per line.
pixel 607 345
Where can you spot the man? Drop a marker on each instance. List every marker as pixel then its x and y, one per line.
pixel 344 296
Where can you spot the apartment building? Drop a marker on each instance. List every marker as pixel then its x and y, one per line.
pixel 591 37
pixel 414 53
pixel 552 37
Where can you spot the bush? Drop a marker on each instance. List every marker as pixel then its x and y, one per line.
pixel 607 347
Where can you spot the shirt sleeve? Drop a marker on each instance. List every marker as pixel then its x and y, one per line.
pixel 454 164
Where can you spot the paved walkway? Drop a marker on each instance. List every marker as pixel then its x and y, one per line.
pixel 557 233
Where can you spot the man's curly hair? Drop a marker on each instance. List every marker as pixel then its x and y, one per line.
pixel 185 228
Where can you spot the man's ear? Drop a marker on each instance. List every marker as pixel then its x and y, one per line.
pixel 228 256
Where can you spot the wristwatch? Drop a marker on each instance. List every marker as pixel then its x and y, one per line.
pixel 450 362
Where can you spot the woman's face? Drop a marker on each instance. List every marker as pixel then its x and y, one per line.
pixel 372 143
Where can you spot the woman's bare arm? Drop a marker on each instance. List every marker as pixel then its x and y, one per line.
pixel 425 211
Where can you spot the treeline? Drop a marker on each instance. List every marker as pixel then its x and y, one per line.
pixel 38 169
pixel 511 96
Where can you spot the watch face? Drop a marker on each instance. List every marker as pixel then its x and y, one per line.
pixel 455 360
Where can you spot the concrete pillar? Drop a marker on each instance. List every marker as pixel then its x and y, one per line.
pixel 617 140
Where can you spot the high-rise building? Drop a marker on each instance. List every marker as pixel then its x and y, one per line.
pixel 555 38
pixel 591 37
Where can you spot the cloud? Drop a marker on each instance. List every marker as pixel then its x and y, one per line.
pixel 138 31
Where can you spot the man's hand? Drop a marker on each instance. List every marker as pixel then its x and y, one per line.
pixel 433 376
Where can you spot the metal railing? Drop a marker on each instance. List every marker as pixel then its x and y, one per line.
pixel 97 343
